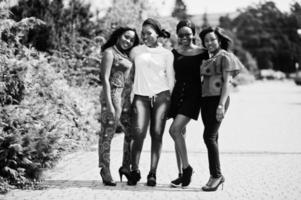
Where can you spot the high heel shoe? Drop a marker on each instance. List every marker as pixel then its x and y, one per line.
pixel 134 177
pixel 210 180
pixel 124 171
pixel 186 178
pixel 106 178
pixel 213 184
pixel 177 182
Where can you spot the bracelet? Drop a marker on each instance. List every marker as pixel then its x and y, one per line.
pixel 220 106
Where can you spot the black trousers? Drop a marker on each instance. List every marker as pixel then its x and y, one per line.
pixel 211 126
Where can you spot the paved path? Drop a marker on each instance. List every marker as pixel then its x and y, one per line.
pixel 260 142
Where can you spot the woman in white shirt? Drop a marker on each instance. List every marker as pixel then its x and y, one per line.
pixel 153 83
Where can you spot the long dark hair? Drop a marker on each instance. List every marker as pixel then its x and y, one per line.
pixel 115 36
pixel 224 39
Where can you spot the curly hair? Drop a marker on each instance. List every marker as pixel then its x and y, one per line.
pixel 116 35
pixel 224 39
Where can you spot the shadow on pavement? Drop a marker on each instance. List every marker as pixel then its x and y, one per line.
pixel 97 185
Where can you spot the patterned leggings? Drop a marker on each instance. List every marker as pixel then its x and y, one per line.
pixel 122 104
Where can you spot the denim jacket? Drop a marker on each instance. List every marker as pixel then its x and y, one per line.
pixel 212 72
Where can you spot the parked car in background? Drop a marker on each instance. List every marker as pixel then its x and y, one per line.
pixel 297 78
pixel 270 74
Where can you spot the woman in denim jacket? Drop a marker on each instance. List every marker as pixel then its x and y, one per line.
pixel 216 75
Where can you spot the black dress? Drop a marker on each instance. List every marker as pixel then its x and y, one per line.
pixel 186 95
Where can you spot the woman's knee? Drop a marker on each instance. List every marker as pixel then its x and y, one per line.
pixel 209 138
pixel 138 134
pixel 174 131
pixel 157 136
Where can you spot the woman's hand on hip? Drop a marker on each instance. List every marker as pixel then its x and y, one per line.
pixel 220 113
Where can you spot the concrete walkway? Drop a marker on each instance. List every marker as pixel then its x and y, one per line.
pixel 260 143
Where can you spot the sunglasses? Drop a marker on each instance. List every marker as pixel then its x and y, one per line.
pixel 184 35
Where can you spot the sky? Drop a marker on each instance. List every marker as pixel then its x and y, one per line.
pixel 165 7
pixel 215 6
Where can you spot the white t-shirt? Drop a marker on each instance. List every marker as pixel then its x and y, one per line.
pixel 154 71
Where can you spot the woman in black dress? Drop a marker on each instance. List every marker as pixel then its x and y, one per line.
pixel 186 96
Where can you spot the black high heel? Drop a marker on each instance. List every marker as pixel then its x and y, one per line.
pixel 186 178
pixel 106 178
pixel 124 171
pixel 134 177
pixel 214 184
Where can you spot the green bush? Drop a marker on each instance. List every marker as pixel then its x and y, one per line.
pixel 11 86
pixel 50 118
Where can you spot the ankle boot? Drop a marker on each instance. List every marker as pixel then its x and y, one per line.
pixel 177 182
pixel 151 179
pixel 124 171
pixel 186 178
pixel 134 177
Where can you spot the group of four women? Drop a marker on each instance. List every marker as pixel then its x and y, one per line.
pixel 165 84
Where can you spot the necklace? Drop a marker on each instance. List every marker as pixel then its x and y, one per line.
pixel 120 52
pixel 213 54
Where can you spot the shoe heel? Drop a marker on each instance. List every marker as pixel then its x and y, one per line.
pixel 123 172
pixel 120 175
pixel 105 180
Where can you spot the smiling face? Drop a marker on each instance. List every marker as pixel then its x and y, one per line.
pixel 185 36
pixel 211 42
pixel 126 40
pixel 149 36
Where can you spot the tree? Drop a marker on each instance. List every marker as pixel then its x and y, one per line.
pixel 293 23
pixel 180 11
pixel 225 22
pixel 269 35
pixel 63 21
pixel 205 20
pixel 126 13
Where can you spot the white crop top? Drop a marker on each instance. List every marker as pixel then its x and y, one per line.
pixel 154 71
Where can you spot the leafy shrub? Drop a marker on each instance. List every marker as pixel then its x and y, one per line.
pixel 52 117
pixel 4 186
pixel 11 86
pixel 29 31
pixel 64 23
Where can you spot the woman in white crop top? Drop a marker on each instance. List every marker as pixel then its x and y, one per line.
pixel 153 83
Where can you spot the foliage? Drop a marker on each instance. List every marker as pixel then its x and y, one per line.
pixel 79 62
pixel 64 24
pixel 28 31
pixel 205 21
pixel 269 34
pixel 133 14
pixel 11 86
pixel 41 115
pixel 180 10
